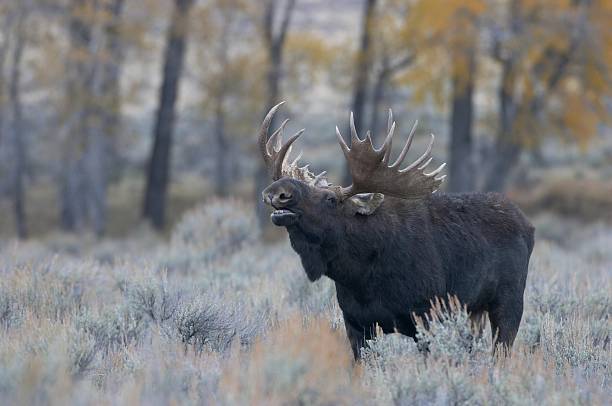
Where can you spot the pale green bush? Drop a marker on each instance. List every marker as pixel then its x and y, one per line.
pixel 211 232
pixel 229 320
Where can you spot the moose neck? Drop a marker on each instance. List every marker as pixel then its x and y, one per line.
pixel 360 246
pixel 312 251
pixel 343 254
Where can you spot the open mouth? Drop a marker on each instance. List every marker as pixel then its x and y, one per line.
pixel 283 217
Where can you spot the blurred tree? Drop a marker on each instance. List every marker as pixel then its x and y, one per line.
pixel 72 195
pixel 310 60
pixel 390 56
pixel 361 74
pixel 463 48
pixel 159 163
pixel 444 35
pixel 90 115
pixel 274 35
pixel 229 74
pixel 553 73
pixel 5 27
pixel 111 77
pixel 14 39
pixel 555 60
pixel 235 78
pixel 222 169
pixel 17 119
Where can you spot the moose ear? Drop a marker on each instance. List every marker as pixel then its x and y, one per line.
pixel 365 203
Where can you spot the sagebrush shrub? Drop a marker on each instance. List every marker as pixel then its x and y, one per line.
pixel 448 332
pixel 203 324
pixel 246 327
pixel 152 298
pixel 115 328
pixel 219 228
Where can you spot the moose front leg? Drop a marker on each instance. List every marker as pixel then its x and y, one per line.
pixel 357 335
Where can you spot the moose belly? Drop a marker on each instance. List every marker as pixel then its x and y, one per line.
pixel 368 312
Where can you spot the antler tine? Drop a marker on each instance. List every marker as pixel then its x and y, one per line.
pixel 263 134
pixel 420 168
pixel 297 159
pixel 319 177
pixel 354 137
pixel 369 138
pixel 389 140
pixel 275 152
pixel 423 157
pixel 271 141
pixel 436 171
pixel 402 154
pixel 280 158
pixel 345 148
pixel 386 147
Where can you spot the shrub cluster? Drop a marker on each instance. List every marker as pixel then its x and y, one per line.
pixel 220 318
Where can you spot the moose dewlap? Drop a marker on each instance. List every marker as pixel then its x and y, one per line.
pixel 391 244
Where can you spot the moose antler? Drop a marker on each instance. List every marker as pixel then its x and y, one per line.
pixel 275 153
pixel 273 150
pixel 371 173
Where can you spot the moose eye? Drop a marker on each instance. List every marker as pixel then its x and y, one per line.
pixel 331 201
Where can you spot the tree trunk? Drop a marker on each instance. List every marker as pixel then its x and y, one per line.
pixel 111 120
pixel 507 150
pixel 93 100
pixel 94 166
pixel 103 116
pixel 461 169
pixel 506 156
pixel 72 208
pixel 262 177
pixel 360 81
pixel 159 163
pixel 19 145
pixel 378 95
pixel 4 48
pixel 222 158
pixel 73 191
pixel 275 44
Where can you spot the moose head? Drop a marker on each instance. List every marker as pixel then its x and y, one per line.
pixel 300 197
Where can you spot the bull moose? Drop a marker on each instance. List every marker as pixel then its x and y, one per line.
pixel 391 244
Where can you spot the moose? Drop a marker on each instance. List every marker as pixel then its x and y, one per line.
pixel 392 243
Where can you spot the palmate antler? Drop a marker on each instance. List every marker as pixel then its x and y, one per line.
pixel 369 167
pixel 275 153
pixel 273 150
pixel 371 173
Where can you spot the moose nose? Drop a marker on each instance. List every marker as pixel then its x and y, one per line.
pixel 282 197
pixel 278 198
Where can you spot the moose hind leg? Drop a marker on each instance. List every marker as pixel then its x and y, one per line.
pixel 505 320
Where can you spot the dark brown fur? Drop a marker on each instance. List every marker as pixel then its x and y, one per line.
pixel 392 263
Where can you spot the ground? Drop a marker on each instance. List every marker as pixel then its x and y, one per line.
pixel 220 317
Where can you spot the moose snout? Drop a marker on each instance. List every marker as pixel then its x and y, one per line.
pixel 278 197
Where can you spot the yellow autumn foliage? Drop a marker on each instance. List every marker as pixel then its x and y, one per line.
pixel 559 53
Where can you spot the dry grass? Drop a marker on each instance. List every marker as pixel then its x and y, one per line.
pixel 581 199
pixel 142 321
